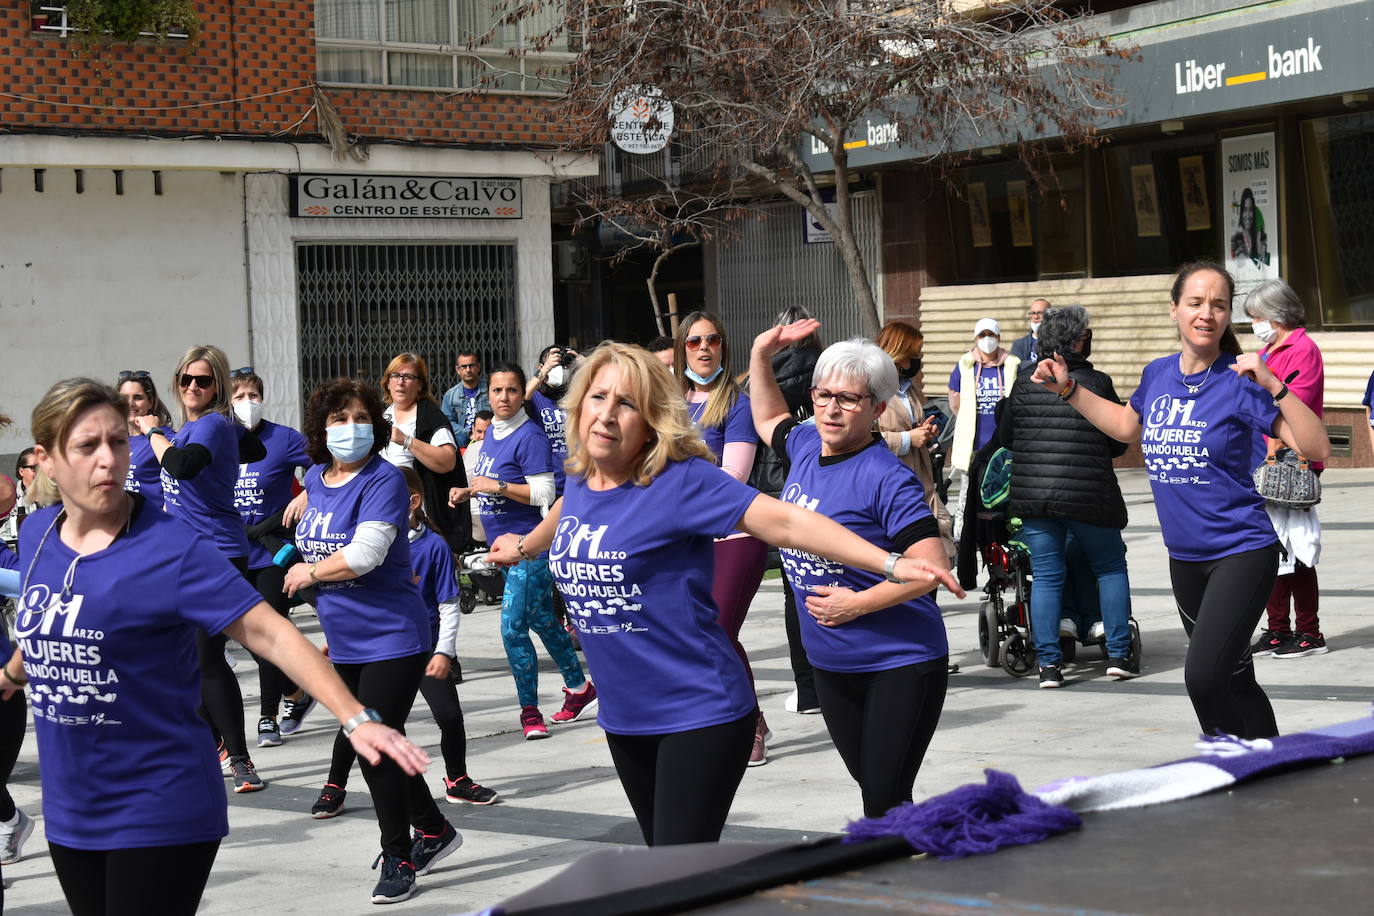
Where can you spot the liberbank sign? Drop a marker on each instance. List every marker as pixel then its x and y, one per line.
pixel 404 197
pixel 1253 57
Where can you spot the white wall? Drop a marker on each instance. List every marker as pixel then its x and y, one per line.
pixel 94 283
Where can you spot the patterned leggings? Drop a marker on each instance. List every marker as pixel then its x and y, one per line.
pixel 528 605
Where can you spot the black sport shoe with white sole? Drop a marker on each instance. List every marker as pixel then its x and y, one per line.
pixel 1051 677
pixel 428 850
pixel 397 882
pixel 1122 669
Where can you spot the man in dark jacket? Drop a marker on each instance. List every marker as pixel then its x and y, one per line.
pixel 1024 348
pixel 1062 484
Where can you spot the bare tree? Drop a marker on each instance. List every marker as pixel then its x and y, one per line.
pixel 754 82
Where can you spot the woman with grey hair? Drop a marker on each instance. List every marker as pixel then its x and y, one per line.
pixel 1062 484
pixel 878 648
pixel 1277 317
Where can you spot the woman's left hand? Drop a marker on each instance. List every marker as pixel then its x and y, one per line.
pixel 297 577
pixel 146 424
pixel 397 436
pixel 438 666
pixel 1257 370
pixel 911 570
pixel 505 550
pixel 372 739
pixel 483 485
pixel 831 605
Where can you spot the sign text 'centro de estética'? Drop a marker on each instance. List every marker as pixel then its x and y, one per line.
pixel 402 196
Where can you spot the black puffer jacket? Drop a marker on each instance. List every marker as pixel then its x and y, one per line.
pixel 793 368
pixel 1061 463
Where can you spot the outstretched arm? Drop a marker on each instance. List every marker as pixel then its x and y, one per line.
pixel 1120 421
pixel 766 400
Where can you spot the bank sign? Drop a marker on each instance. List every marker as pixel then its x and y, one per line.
pixel 404 197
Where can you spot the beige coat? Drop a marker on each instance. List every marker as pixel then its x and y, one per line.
pixel 891 424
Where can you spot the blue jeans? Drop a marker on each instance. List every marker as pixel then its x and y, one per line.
pixel 1106 554
pixel 528 605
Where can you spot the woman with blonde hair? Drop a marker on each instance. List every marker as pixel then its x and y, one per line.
pixel 903 425
pixel 720 410
pixel 421 438
pixel 200 465
pixel 636 572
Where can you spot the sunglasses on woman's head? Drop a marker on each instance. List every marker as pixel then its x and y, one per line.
pixel 203 382
pixel 712 340
pixel 137 375
pixel 240 373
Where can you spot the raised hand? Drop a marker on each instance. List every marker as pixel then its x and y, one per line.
pixel 1051 374
pixel 780 337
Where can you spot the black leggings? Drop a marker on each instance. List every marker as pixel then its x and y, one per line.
pixel 389 687
pixel 14 718
pixel 131 882
pixel 1220 602
pixel 882 723
pixel 221 701
pixel 442 697
pixel 801 665
pixel 272 683
pixel 681 784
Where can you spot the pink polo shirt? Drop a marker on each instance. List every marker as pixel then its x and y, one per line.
pixel 1298 352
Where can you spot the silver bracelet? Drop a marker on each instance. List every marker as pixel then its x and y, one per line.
pixel 890 568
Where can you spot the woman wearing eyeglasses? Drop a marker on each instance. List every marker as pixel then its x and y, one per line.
pixel 720 411
pixel 878 646
pixel 421 438
pixel 145 474
pixel 200 465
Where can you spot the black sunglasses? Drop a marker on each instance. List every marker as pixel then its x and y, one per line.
pixel 240 373
pixel 137 375
pixel 28 467
pixel 203 382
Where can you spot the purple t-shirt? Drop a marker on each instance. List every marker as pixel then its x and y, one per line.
pixel 116 681
pixel 525 451
pixel 1369 398
pixel 379 615
pixel 990 385
pixel 553 418
pixel 635 571
pixel 264 487
pixel 738 425
pixel 431 560
pixel 1200 453
pixel 206 501
pixel 145 474
pixel 873 494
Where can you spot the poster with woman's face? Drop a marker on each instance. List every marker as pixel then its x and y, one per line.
pixel 1018 209
pixel 1193 178
pixel 978 214
pixel 1146 198
pixel 1250 210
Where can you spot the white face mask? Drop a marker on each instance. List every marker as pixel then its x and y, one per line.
pixel 248 412
pixel 1035 327
pixel 1264 331
pixel 988 345
pixel 557 376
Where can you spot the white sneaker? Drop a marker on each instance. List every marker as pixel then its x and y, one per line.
pixel 12 838
pixel 790 704
pixel 1068 628
pixel 1098 631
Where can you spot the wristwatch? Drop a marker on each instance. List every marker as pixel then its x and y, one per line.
pixel 500 486
pixel 367 715
pixel 890 567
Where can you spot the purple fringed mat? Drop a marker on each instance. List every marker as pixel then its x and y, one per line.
pixel 971 820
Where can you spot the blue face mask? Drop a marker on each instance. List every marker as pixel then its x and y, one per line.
pixel 350 442
pixel 704 380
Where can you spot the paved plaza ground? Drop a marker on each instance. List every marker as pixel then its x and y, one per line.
pixel 560 797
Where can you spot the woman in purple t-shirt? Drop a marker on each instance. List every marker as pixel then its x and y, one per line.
pixel 1196 414
pixel 145 474
pixel 636 571
pixel 141 584
pixel 720 410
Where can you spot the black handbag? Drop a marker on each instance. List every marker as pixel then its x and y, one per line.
pixel 1286 480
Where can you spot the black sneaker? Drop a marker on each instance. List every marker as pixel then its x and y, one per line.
pixel 397 881
pixel 428 850
pixel 245 777
pixel 1122 669
pixel 294 713
pixel 330 802
pixel 269 735
pixel 1302 645
pixel 1050 676
pixel 465 791
pixel 1267 642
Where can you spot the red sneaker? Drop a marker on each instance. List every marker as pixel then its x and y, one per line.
pixel 575 704
pixel 532 721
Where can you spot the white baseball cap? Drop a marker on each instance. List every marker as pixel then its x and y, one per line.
pixel 987 324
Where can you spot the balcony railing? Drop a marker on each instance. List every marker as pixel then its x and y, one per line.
pixel 53 20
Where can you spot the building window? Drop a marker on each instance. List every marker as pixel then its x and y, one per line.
pixel 1157 207
pixel 1005 228
pixel 1339 159
pixel 428 44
